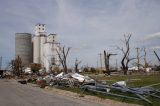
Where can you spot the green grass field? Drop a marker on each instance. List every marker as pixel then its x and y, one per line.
pixel 131 80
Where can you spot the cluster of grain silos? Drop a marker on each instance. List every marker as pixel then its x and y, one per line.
pixel 37 48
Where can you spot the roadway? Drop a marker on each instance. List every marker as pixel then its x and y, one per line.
pixel 16 94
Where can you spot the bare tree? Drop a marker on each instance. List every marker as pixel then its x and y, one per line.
pixel 63 53
pixel 157 56
pixel 126 52
pixel 17 66
pixel 106 61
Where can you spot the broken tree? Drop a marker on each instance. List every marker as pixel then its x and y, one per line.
pixel 157 56
pixel 126 52
pixel 106 61
pixel 63 53
pixel 17 66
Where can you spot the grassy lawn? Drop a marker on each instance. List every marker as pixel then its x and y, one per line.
pixel 132 81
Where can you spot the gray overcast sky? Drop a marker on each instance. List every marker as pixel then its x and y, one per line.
pixel 88 26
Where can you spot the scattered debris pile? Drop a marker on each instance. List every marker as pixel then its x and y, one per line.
pixel 67 80
pixel 118 89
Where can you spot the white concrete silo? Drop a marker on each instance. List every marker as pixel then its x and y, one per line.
pixel 42 42
pixel 50 56
pixel 23 47
pixel 36 49
pixel 38 40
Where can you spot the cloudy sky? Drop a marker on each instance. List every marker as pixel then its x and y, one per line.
pixel 88 26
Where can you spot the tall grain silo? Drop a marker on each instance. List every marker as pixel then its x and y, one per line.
pixel 50 56
pixel 42 41
pixel 38 40
pixel 36 49
pixel 23 47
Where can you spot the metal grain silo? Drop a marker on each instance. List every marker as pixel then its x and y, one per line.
pixel 23 47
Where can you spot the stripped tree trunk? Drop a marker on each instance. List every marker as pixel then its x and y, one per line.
pixel 126 52
pixel 62 53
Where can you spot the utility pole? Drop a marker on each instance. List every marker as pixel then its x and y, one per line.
pixel 0 62
pixel 100 60
pixel 138 57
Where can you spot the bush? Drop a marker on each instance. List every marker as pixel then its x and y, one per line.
pixel 85 70
pixel 93 70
